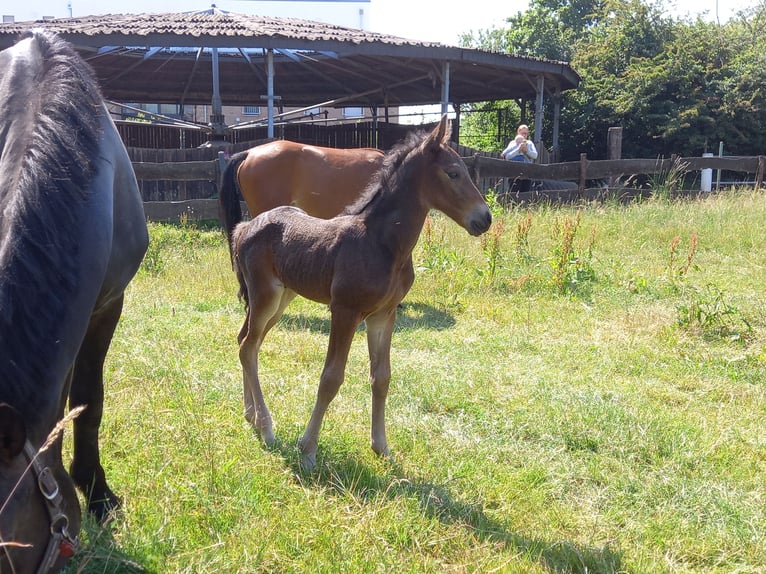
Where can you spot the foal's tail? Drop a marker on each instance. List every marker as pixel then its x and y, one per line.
pixel 242 294
pixel 229 208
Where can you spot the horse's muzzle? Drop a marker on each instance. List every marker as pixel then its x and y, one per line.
pixel 479 222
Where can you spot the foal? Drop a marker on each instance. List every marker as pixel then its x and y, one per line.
pixel 359 263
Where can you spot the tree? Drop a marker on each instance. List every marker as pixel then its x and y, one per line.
pixel 675 86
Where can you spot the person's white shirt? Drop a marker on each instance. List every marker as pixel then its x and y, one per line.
pixel 518 151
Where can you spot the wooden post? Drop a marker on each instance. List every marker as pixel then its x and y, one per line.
pixel 672 179
pixel 759 172
pixel 456 124
pixel 556 121
pixel 583 174
pixel 614 143
pixel 540 92
pixel 614 150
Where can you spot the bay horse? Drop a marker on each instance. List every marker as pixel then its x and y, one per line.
pixel 359 263
pixel 72 235
pixel 321 181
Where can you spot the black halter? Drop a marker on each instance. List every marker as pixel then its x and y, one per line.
pixel 60 543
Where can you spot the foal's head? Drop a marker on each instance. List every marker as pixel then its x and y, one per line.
pixel 448 186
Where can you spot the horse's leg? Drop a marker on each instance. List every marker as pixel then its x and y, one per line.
pixel 265 310
pixel 342 326
pixel 88 390
pixel 380 327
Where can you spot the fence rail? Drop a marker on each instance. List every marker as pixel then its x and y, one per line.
pixel 585 169
pixel 485 170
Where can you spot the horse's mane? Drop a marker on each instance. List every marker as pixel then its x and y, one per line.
pixel 40 211
pixel 393 170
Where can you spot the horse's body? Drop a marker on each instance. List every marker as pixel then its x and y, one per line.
pixel 72 235
pixel 321 181
pixel 360 263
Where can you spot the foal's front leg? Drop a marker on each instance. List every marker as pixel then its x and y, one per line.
pixel 379 330
pixel 342 326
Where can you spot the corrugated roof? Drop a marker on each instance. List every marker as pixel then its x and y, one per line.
pixel 137 58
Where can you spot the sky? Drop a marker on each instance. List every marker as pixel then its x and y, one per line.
pixel 424 20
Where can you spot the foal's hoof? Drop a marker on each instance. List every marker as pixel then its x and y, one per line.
pixel 386 455
pixel 308 462
pixel 308 455
pixel 267 435
pixel 380 449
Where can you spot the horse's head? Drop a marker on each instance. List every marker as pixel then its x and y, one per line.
pixel 39 510
pixel 449 187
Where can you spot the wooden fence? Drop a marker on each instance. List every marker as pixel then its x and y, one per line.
pixel 488 172
pixel 354 134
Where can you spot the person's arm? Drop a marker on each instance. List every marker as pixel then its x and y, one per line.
pixel 531 152
pixel 511 150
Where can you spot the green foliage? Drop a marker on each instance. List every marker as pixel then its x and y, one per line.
pixel 705 310
pixel 570 271
pixel 709 311
pixel 666 182
pixel 489 126
pixel 675 86
pixel 182 240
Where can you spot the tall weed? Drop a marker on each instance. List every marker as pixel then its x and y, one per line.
pixel 570 270
pixel 667 181
pixel 707 311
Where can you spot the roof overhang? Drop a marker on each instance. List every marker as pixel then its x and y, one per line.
pixel 168 58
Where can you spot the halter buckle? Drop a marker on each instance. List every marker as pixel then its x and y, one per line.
pixel 47 483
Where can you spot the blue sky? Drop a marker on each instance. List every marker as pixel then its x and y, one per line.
pixel 426 20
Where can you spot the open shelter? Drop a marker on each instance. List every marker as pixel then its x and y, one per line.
pixel 215 57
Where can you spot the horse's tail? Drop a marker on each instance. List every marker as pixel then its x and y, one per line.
pixel 229 208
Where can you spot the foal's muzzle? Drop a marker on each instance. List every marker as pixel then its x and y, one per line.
pixel 479 222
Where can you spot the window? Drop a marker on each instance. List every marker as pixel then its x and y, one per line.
pixel 251 110
pixel 353 112
pixel 312 112
pixel 168 109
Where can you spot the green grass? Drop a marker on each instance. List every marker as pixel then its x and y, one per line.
pixel 583 390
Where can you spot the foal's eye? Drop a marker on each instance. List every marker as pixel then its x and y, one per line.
pixel 453 174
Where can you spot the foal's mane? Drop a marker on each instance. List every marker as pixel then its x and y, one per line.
pixel 395 168
pixel 41 201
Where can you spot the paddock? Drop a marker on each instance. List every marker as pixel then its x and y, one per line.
pixel 532 431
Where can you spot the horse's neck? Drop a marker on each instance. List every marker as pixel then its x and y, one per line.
pixel 399 217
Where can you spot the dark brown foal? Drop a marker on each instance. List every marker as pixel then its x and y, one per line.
pixel 359 263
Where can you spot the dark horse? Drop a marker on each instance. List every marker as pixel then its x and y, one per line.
pixel 72 235
pixel 360 263
pixel 321 181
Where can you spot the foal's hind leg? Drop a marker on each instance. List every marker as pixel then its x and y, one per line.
pixel 380 327
pixel 88 390
pixel 265 309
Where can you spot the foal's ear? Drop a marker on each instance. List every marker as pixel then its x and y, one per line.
pixel 13 433
pixel 447 131
pixel 440 135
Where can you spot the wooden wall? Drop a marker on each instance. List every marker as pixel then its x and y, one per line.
pixel 148 143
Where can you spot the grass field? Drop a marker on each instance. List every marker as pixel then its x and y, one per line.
pixel 581 390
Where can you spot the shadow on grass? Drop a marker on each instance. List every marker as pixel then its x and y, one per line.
pixel 100 553
pixel 409 316
pixel 348 476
